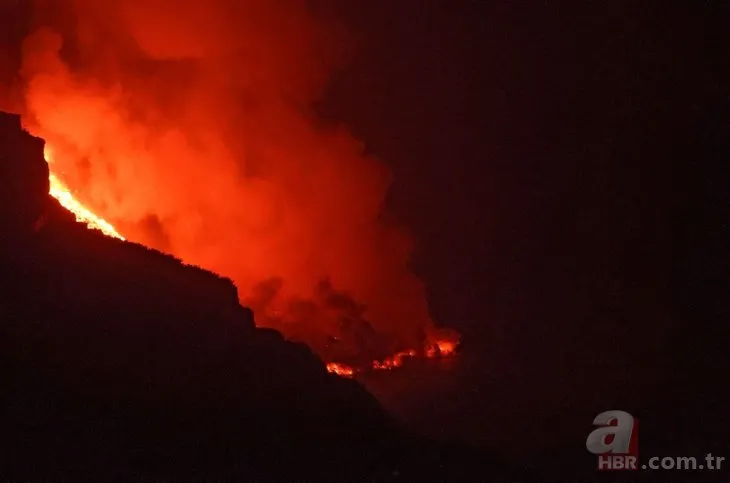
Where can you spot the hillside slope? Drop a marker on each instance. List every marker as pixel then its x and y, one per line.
pixel 120 361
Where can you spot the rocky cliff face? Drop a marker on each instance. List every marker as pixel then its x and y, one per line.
pixel 24 176
pixel 117 360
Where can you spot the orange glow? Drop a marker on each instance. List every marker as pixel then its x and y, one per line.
pixel 443 348
pixel 64 196
pixel 440 348
pixel 340 369
pixel 393 361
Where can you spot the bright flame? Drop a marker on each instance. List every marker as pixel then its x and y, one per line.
pixel 64 196
pixel 393 361
pixel 340 369
pixel 440 348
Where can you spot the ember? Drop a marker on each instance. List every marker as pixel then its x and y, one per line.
pixel 442 348
pixel 394 361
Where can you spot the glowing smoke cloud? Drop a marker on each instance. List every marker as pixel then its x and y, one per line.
pixel 189 126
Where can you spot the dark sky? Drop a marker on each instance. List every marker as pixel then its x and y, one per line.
pixel 540 152
pixel 561 166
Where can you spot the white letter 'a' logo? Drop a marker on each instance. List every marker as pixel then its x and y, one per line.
pixel 621 431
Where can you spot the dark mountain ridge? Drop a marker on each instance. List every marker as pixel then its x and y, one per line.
pixel 119 361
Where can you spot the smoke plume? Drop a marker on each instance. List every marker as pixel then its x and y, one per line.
pixel 190 126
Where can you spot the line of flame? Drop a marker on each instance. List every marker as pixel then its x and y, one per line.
pixel 84 215
pixel 441 348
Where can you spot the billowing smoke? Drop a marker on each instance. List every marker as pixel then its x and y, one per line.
pixel 190 126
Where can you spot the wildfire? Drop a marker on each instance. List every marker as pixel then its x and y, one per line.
pixel 84 215
pixel 65 197
pixel 340 369
pixel 440 348
pixel 393 361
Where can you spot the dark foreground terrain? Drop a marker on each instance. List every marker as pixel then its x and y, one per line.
pixel 117 361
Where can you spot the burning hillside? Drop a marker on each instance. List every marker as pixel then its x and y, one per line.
pixel 83 214
pixel 194 134
pixel 64 196
pixel 152 367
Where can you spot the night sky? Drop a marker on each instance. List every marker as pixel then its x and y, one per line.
pixel 561 168
pixel 536 151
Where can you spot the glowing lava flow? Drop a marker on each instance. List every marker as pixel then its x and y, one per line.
pixel 84 215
